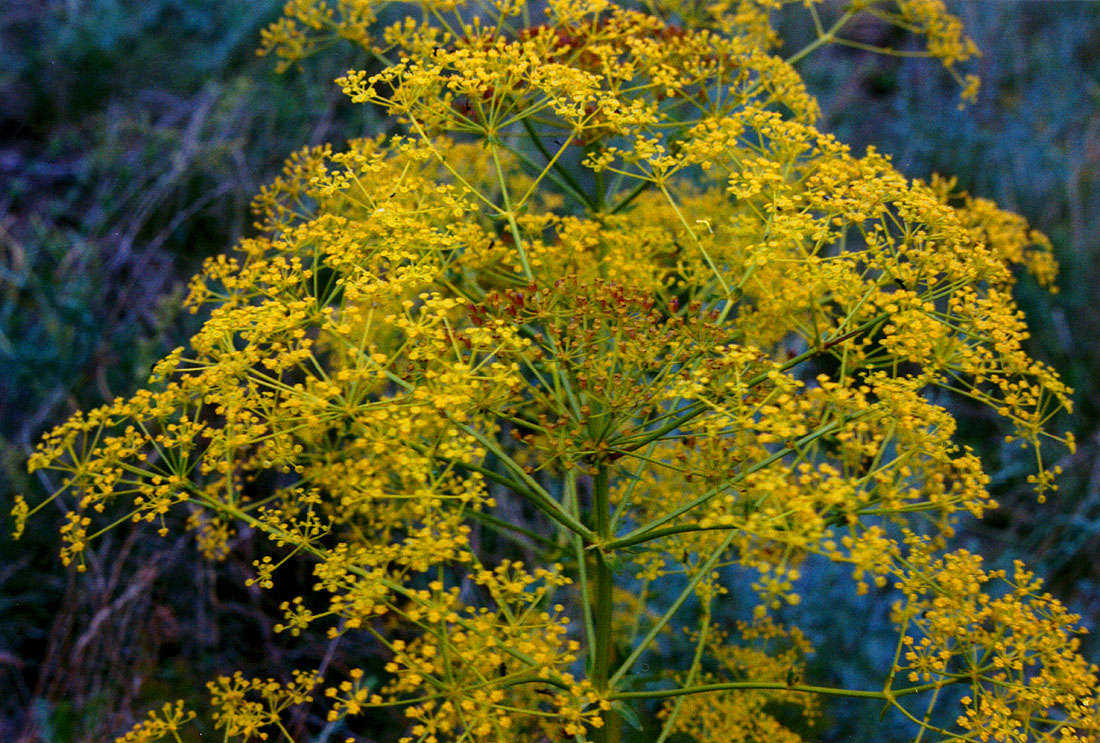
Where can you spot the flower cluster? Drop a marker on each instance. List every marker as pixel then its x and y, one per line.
pixel 752 679
pixel 1014 648
pixel 614 305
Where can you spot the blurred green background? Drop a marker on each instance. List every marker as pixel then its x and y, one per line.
pixel 133 135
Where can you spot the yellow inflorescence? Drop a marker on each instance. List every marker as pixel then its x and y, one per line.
pixel 615 304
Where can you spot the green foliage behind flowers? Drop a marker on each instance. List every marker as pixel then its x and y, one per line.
pixel 611 279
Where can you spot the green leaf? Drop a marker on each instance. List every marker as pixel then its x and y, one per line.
pixel 627 714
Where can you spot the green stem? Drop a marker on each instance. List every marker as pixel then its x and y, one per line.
pixel 552 174
pixel 653 530
pixel 603 607
pixel 822 39
pixel 535 493
pixel 670 722
pixel 694 409
pixel 517 534
pixel 510 213
pixel 630 197
pixel 573 505
pixel 575 187
pixel 601 191
pixel 703 572
pixel 778 685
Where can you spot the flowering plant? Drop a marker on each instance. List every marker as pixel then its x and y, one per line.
pixel 610 326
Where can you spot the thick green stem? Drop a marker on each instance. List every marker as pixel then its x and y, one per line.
pixel 603 607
